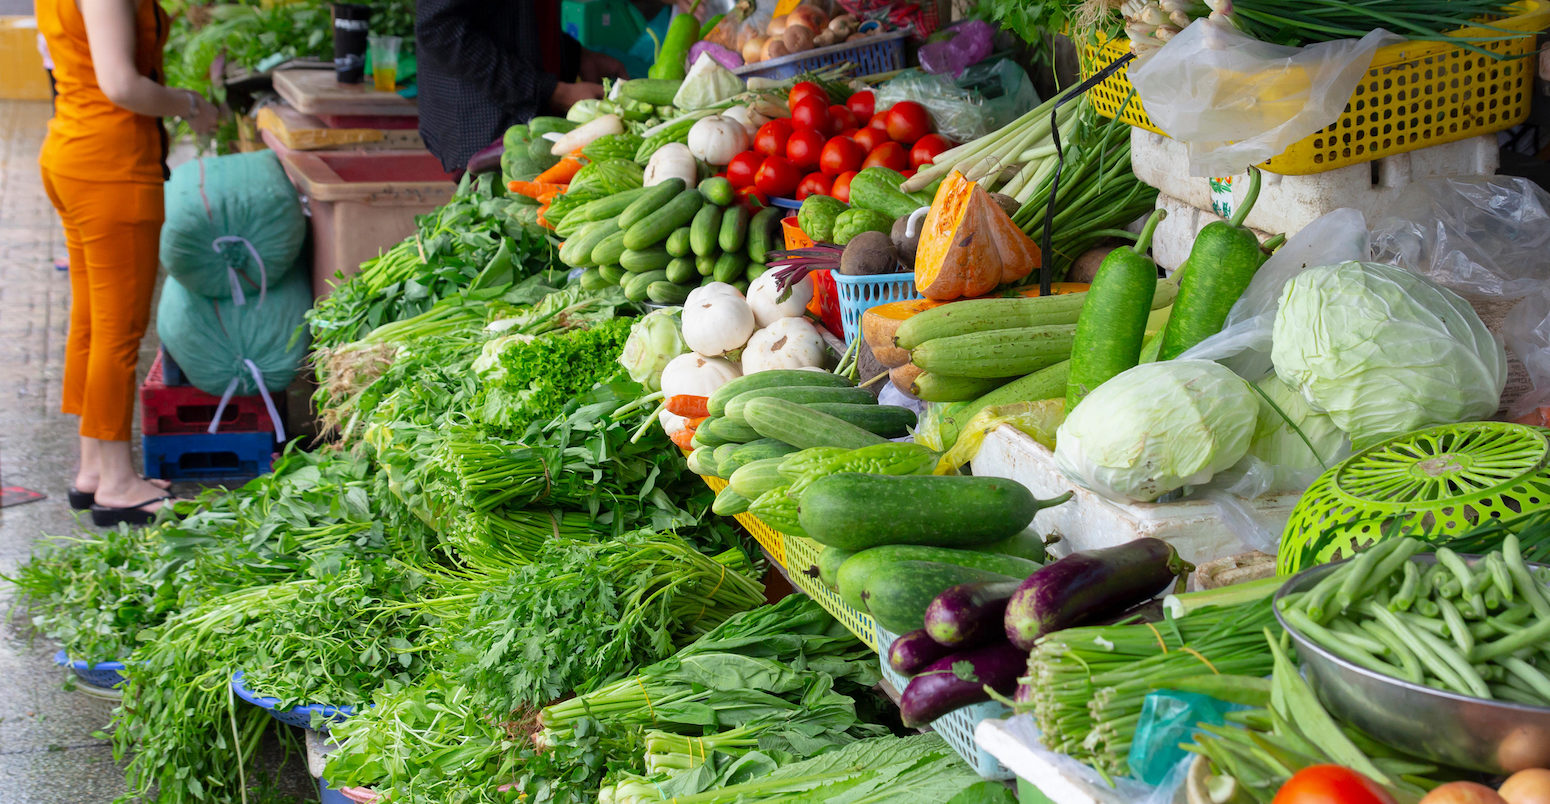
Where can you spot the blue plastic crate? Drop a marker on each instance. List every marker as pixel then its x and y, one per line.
pixel 101 674
pixel 957 726
pixel 859 294
pixel 207 456
pixel 300 716
pixel 873 55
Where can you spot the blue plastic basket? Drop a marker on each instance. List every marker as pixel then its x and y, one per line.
pixel 102 674
pixel 957 726
pixel 300 716
pixel 873 55
pixel 859 294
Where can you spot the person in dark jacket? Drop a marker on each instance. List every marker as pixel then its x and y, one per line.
pixel 486 66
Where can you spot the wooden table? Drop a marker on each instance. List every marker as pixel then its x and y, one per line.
pixel 318 92
pixel 305 132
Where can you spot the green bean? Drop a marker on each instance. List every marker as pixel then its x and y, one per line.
pixel 1449 559
pixel 1531 591
pixel 1408 662
pixel 1355 636
pixel 1322 591
pixel 1512 643
pixel 1405 597
pixel 1456 627
pixel 1434 625
pixel 1339 645
pixel 1466 672
pixel 1492 600
pixel 1356 574
pixel 1388 564
pixel 1507 692
pixel 1497 566
pixel 1427 607
pixel 1404 630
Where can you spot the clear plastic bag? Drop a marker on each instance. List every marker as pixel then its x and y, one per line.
pixel 988 96
pixel 1235 101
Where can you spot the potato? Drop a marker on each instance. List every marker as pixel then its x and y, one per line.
pixel 903 377
pixel 843 25
pixel 869 254
pixel 1086 265
pixel 773 49
pixel 798 37
pixel 777 26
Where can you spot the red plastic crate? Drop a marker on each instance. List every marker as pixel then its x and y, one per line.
pixel 185 410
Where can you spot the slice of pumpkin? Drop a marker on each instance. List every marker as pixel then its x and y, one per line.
pixel 903 377
pixel 880 323
pixel 969 245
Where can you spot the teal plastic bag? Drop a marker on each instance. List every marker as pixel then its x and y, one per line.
pixel 234 225
pixel 1170 718
pixel 217 342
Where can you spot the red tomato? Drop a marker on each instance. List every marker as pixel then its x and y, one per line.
pixel 771 137
pixel 807 89
pixel 869 138
pixel 813 184
pixel 840 155
pixel 861 104
pixel 908 173
pixel 841 118
pixel 849 132
pixel 804 147
pixel 1330 784
pixel 908 121
pixel 841 187
pixel 777 176
pixel 889 155
pixel 741 169
pixel 810 112
pixel 751 199
pixel 927 147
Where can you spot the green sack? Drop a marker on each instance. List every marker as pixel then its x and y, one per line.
pixel 234 225
pixel 213 340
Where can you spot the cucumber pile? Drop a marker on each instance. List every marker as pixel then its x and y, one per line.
pixel 662 241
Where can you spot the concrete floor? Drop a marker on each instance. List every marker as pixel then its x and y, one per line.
pixel 47 753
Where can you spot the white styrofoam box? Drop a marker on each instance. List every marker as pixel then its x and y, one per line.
pixel 1175 234
pixel 1014 742
pixel 1087 521
pixel 1288 203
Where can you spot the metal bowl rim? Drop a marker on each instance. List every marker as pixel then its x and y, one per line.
pixel 1306 576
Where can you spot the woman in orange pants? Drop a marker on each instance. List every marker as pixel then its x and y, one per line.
pixel 103 167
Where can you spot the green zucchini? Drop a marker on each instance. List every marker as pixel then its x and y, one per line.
pixel 656 226
pixel 743 454
pixel 613 273
pixel 704 230
pixel 829 562
pixel 729 503
pixel 988 315
pixel 897 596
pixel 857 511
pixel 1109 334
pixel 718 191
pixel 681 270
pixel 764 234
pixel 638 286
pixel 776 378
pixel 802 394
pixel 727 430
pixel 609 250
pixel 756 477
pixel 678 242
pixel 1000 353
pixel 734 229
pixel 654 198
pixel 889 421
pixel 854 574
pixel 667 292
pixel 655 258
pixel 730 267
pixel 933 387
pixel 803 427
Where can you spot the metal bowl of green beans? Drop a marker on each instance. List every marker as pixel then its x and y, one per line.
pixel 1391 663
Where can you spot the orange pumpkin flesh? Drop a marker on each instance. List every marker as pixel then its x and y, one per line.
pixel 903 377
pixel 969 245
pixel 880 323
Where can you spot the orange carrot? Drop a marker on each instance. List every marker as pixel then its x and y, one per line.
pixel 684 438
pixel 548 198
pixel 543 221
pixel 696 421
pixel 563 171
pixel 688 405
pixel 534 189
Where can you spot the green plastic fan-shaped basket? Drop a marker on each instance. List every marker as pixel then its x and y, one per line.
pixel 1435 482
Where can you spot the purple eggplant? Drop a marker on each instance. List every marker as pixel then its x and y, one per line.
pixel 914 650
pixel 969 613
pixel 960 679
pixel 487 159
pixel 1090 585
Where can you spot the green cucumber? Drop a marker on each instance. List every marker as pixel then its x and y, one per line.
pixel 829 562
pixel 704 438
pixel 734 229
pixel 640 261
pixel 803 427
pixel 889 421
pixel 898 595
pixel 1028 544
pixel 654 198
pixel 857 511
pixel 678 242
pixel 999 353
pixel 606 208
pixel 592 279
pixel 855 573
pixel 1222 261
pixel 718 191
pixel 612 273
pixel 655 91
pixel 731 266
pixel 704 230
pixel 577 250
pixel 729 503
pixel 764 234
pixel 667 292
pixel 803 394
pixel 743 454
pixel 703 462
pixel 756 270
pixel 727 431
pixel 775 378
pixel 1112 327
pixel 723 455
pixel 681 270
pixel 656 226
pixel 988 315
pixel 638 286
pixel 609 249
pixel 932 387
pixel 756 477
pixel 705 266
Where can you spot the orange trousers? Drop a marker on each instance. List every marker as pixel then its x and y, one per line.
pixel 112 230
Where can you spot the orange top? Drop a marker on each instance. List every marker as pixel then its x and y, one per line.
pixel 89 138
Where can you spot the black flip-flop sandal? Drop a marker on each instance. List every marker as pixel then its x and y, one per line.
pixel 81 500
pixel 105 517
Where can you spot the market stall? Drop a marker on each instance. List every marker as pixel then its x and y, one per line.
pixel 989 381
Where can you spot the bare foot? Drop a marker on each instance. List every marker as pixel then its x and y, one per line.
pixel 139 492
pixel 88 483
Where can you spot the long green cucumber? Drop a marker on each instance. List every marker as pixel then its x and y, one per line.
pixel 1000 353
pixel 828 566
pixel 743 454
pixel 678 242
pixel 1113 323
pixel 609 249
pixel 734 229
pixel 729 503
pixel 653 199
pixel 857 511
pixel 854 573
pixel 655 258
pixel 987 315
pixel 897 596
pixel 889 421
pixel 723 458
pixel 1220 265
pixel 727 430
pixel 802 394
pixel 577 250
pixel 731 266
pixel 612 273
pixel 764 234
pixel 756 477
pixel 704 230
pixel 606 208
pixel 638 286
pixel 656 226
pixel 667 292
pixel 804 427
pixel 703 462
pixel 776 378
pixel 933 387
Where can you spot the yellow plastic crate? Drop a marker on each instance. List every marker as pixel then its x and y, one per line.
pixel 803 556
pixel 1416 94
pixel 766 536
